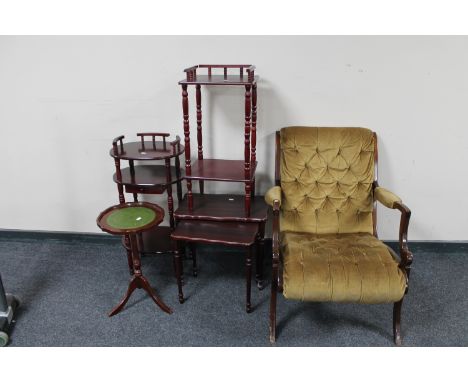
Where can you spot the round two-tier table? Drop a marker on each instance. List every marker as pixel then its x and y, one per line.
pixel 144 175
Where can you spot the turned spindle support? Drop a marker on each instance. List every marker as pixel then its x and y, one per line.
pixel 248 110
pixel 170 201
pixel 120 190
pixel 199 132
pixel 188 164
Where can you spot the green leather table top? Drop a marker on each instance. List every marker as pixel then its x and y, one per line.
pixel 130 218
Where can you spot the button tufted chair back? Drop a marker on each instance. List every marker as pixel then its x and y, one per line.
pixel 326 177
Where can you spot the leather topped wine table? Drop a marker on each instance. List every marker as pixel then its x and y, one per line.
pixel 131 219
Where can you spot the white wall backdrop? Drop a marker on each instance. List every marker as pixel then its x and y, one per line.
pixel 63 99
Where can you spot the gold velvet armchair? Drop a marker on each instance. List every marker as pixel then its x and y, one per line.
pixel 325 245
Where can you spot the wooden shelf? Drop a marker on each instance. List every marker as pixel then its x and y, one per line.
pixel 226 233
pixel 222 207
pixel 220 170
pixel 219 80
pixel 150 151
pixel 147 176
pixel 232 75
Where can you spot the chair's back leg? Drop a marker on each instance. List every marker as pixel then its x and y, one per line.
pixel 274 292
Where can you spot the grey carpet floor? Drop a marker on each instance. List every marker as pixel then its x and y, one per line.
pixel 67 286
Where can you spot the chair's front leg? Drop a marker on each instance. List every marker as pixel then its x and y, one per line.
pixel 396 322
pixel 275 271
pixel 406 259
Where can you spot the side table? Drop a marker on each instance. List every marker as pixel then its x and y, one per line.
pixel 243 235
pixel 131 219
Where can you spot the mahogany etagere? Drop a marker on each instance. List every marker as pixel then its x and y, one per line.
pixel 149 179
pixel 209 218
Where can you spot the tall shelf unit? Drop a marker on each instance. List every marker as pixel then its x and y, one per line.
pixel 200 216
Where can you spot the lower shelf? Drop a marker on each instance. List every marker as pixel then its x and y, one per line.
pixel 227 233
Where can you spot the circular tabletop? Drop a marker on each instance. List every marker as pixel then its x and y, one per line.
pixel 136 151
pixel 130 217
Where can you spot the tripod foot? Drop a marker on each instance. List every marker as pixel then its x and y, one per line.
pixel 139 281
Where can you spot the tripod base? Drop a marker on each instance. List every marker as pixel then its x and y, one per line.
pixel 140 282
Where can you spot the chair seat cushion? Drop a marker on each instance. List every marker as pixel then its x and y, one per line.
pixel 340 267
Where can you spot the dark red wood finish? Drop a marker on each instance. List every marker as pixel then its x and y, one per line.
pixel 148 179
pixel 243 235
pixel 198 214
pixel 211 232
pixel 199 132
pixel 188 165
pixel 208 169
pixel 137 280
pixel 222 207
pixel 226 170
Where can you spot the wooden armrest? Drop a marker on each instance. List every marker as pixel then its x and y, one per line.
pixel 386 197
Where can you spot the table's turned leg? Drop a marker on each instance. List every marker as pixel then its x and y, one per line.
pixel 138 281
pixel 178 266
pixel 248 279
pixel 260 256
pixel 193 252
